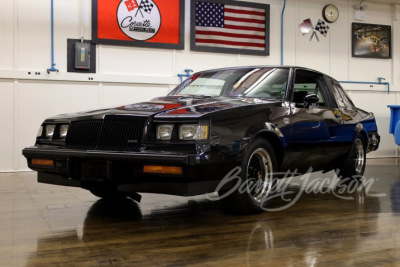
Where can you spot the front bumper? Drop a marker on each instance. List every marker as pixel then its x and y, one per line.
pixel 58 153
pixel 125 170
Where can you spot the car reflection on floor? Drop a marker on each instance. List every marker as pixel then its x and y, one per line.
pixel 58 226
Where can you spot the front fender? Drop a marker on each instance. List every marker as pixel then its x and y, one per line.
pixel 269 132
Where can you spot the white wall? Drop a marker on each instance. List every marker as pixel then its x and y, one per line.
pixel 126 74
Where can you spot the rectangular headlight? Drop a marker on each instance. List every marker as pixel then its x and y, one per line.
pixel 193 132
pixel 49 131
pixel 63 130
pixel 40 131
pixel 164 131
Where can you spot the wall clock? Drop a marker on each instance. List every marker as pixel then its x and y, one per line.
pixel 330 13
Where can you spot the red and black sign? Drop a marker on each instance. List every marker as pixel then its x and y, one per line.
pixel 145 23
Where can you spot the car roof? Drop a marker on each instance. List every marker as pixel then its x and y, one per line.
pixel 261 66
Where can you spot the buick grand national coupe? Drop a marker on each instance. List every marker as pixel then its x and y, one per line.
pixel 264 120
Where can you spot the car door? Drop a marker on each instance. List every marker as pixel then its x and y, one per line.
pixel 314 131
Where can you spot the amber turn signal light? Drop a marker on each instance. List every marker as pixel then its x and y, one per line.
pixel 162 169
pixel 43 162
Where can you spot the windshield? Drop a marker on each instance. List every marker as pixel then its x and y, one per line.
pixel 249 82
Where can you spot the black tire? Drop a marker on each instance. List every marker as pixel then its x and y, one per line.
pixel 257 167
pixel 353 166
pixel 109 193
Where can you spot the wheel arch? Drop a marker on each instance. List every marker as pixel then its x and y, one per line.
pixel 359 129
pixel 364 135
pixel 274 141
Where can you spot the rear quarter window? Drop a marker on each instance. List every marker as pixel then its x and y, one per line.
pixel 342 99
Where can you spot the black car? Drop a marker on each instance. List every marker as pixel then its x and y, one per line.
pixel 259 120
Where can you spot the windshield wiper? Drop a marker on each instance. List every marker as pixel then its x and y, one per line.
pixel 197 96
pixel 203 96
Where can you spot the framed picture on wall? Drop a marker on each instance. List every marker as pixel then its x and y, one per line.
pixel 222 26
pixel 371 40
pixel 143 23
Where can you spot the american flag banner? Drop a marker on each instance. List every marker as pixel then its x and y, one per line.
pixel 226 27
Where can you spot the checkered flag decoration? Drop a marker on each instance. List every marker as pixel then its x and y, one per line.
pixel 322 27
pixel 146 6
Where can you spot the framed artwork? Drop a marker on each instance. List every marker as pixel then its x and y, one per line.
pixel 371 40
pixel 143 23
pixel 223 26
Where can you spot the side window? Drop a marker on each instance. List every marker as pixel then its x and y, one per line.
pixel 307 83
pixel 342 99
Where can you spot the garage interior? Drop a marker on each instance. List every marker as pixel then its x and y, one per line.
pixel 47 225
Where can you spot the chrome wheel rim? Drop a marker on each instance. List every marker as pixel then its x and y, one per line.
pixel 259 175
pixel 359 156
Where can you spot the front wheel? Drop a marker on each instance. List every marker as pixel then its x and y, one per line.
pixel 353 166
pixel 107 192
pixel 256 180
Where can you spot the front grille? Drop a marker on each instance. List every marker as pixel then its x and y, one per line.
pixel 83 134
pixel 111 135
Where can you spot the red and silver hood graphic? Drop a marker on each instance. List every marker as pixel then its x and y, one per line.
pixel 170 106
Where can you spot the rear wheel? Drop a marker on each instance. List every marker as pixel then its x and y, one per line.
pixel 257 180
pixel 353 166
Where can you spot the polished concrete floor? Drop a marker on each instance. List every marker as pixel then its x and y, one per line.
pixel 45 225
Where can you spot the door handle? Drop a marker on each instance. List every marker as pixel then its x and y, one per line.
pixel 286 120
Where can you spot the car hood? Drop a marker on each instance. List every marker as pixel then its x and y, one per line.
pixel 169 106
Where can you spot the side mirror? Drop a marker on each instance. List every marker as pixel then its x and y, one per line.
pixel 311 99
